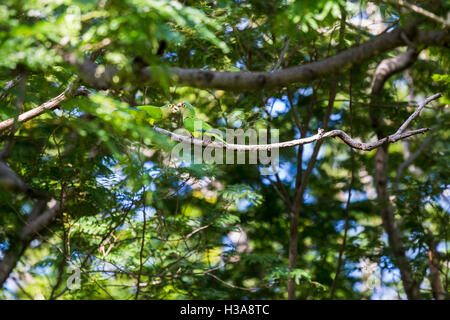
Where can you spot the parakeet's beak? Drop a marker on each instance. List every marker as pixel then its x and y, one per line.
pixel 174 108
pixel 181 105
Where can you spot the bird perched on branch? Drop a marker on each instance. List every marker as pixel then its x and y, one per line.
pixel 159 113
pixel 196 126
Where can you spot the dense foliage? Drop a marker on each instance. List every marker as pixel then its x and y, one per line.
pixel 140 224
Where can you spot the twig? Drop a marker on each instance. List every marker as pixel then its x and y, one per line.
pixel 282 54
pixel 418 10
pixel 8 86
pixel 416 113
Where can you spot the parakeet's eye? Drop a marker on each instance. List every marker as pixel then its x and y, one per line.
pixel 183 105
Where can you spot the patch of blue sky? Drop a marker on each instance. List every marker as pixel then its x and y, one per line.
pixel 35 243
pixel 286 171
pixel 228 245
pixel 308 198
pixel 228 28
pixel 222 121
pixel 149 165
pixel 384 293
pixel 335 117
pixel 390 275
pixel 444 198
pixel 150 262
pixel 266 181
pixel 297 135
pixel 171 56
pixel 401 84
pixel 149 213
pixel 358 286
pixel 307 153
pixel 355 270
pixel 304 92
pixel 26 208
pixel 240 64
pixel 3 246
pixel 108 269
pixel 10 285
pixel 425 285
pixel 360 15
pixel 243 23
pixel 353 231
pixel 386 263
pixel 243 205
pixel 412 253
pixel 74 112
pixel 442 246
pixel 384 238
pixel 237 123
pixel 357 196
pixel 276 106
pixel 115 177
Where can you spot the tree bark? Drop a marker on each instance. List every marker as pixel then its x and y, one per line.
pixel 385 69
pixel 435 277
pixel 101 77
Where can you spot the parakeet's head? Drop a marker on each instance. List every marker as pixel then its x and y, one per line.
pixel 186 109
pixel 173 108
pixel 185 105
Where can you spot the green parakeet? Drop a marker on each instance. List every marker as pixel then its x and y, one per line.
pixel 187 110
pixel 159 113
pixel 190 120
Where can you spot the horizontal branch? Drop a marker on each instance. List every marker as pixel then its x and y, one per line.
pixel 292 143
pixel 399 135
pixel 99 76
pixel 49 105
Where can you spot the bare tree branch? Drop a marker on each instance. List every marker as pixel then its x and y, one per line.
pixel 416 113
pixel 393 65
pixel 72 90
pixel 36 222
pixel 386 69
pixel 416 9
pixel 100 76
pixel 11 84
pixel 435 277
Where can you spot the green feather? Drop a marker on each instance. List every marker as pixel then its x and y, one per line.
pixel 203 129
pixel 187 110
pixel 155 113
